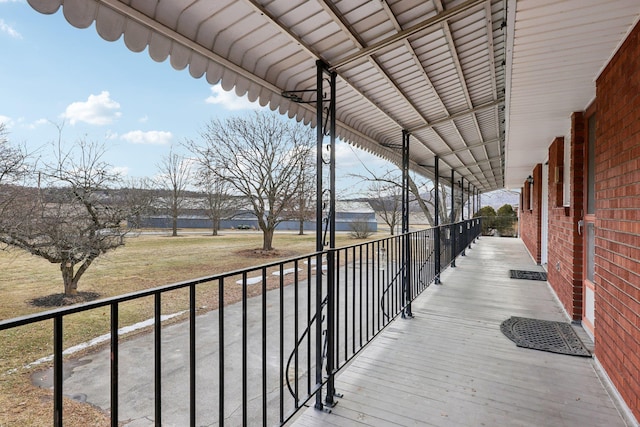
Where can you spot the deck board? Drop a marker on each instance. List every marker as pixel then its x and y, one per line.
pixel 451 366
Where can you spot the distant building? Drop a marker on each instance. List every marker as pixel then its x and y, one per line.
pixel 347 213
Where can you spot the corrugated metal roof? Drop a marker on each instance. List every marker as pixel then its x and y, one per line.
pixel 438 69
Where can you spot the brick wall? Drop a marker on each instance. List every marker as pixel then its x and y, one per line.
pixel 565 244
pixel 530 230
pixel 617 271
pixel 562 238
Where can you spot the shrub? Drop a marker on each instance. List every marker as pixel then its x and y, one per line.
pixel 360 229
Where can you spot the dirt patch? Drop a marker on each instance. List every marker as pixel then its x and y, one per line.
pixel 261 253
pixel 61 300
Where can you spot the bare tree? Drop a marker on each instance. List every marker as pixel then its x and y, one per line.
pixel 386 199
pixel 422 193
pixel 138 196
pixel 302 206
pixel 219 202
pixel 12 160
pixel 67 218
pixel 14 168
pixel 261 156
pixel 174 176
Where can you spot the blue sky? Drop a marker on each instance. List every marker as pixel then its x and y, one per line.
pixel 52 73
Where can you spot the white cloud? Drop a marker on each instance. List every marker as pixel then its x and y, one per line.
pixel 152 137
pixel 38 123
pixel 229 100
pixel 8 29
pixel 144 119
pixel 97 110
pixel 6 120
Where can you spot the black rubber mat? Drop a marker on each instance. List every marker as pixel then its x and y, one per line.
pixel 529 275
pixel 544 335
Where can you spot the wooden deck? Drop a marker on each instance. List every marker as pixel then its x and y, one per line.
pixel 451 365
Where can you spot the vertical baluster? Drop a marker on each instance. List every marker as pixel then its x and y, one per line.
pixel 114 364
pixel 296 332
pixel 157 326
pixel 244 349
pixel 221 352
pixel 57 371
pixel 192 355
pixel 264 349
pixel 281 333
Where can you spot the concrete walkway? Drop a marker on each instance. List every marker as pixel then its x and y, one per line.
pixel 452 366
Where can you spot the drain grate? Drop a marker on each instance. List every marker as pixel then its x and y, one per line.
pixel 529 275
pixel 544 335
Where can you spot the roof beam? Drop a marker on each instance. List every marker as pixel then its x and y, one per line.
pixel 404 34
pixel 468 147
pixel 460 72
pixel 458 115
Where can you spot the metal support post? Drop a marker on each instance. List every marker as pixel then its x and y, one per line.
pixel 453 226
pixel 319 219
pixel 462 224
pixel 474 201
pixel 331 270
pixel 469 210
pixel 436 221
pixel 479 207
pixel 406 275
pixel 470 214
pixel 476 208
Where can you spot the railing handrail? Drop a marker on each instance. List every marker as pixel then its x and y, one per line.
pixel 103 302
pixel 357 286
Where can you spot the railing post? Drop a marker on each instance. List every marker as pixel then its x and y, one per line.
pixel 331 264
pixel 157 357
pixel 329 401
pixel 114 364
pixel 57 371
pixel 453 220
pixel 406 250
pixel 319 247
pixel 192 356
pixel 470 214
pixel 436 219
pixel 477 210
pixel 462 223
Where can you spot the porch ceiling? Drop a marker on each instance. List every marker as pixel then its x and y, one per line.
pixel 556 49
pixel 440 69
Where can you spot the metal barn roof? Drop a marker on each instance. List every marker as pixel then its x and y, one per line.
pixel 475 82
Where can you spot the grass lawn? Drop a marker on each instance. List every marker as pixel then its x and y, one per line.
pixel 146 261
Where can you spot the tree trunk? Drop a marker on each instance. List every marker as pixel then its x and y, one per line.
pixel 301 231
pixel 267 239
pixel 70 285
pixel 174 226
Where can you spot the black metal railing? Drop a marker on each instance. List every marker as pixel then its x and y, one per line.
pixel 257 361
